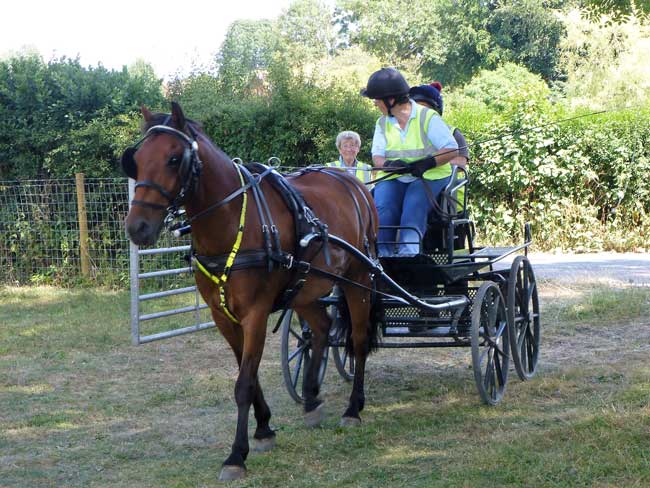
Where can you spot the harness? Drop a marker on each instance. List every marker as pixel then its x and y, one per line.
pixel 219 268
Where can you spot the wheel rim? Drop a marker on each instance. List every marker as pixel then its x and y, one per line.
pixel 524 317
pixel 490 343
pixel 296 354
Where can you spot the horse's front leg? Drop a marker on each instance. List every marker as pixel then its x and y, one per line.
pixel 264 437
pixel 247 391
pixel 319 323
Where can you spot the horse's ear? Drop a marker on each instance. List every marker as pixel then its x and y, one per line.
pixel 146 113
pixel 177 116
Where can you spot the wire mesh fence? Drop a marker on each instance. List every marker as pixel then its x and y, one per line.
pixel 39 231
pixel 40 237
pixel 41 241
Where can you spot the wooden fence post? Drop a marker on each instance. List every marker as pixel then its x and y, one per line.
pixel 83 225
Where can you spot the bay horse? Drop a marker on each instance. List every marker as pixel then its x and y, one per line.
pixel 232 213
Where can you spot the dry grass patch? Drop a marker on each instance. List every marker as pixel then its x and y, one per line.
pixel 81 407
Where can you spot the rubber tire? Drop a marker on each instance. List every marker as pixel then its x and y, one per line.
pixel 489 314
pixel 523 318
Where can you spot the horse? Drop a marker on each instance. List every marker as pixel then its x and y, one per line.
pixel 242 218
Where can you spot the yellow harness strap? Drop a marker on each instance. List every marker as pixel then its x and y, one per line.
pixel 221 280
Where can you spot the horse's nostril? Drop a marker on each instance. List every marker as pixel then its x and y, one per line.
pixel 142 228
pixel 139 231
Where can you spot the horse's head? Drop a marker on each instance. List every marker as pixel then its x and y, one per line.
pixel 166 167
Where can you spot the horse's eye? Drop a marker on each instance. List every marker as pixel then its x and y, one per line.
pixel 174 161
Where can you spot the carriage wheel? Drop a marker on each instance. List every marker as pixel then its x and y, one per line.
pixel 343 360
pixel 296 354
pixel 490 341
pixel 523 317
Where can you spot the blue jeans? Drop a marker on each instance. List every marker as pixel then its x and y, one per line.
pixel 404 205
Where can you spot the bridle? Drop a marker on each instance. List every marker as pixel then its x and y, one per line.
pixel 189 172
pixel 189 169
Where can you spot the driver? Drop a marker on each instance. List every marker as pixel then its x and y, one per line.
pixel 406 137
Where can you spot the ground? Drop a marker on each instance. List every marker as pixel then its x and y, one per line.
pixel 80 406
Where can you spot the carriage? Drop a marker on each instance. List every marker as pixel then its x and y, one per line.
pixel 263 242
pixel 450 294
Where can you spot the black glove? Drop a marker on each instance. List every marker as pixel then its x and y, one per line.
pixel 397 166
pixel 418 168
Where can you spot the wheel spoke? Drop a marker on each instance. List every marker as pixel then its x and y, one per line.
pixel 296 372
pixel 299 350
pixel 496 346
pixel 530 355
pixel 488 370
pixel 501 329
pixel 498 370
pixel 295 334
pixel 531 291
pixel 522 335
pixel 482 356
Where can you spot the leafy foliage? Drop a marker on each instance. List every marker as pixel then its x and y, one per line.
pixel 247 50
pixel 606 62
pixel 51 113
pixel 500 88
pixel 581 184
pixel 451 40
pixel 307 30
pixel 297 123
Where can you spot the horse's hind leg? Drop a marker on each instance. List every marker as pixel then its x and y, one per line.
pixel 319 323
pixel 359 307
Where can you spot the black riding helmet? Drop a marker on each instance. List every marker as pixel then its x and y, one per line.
pixel 429 94
pixel 384 84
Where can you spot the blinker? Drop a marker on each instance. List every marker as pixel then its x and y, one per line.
pixel 128 162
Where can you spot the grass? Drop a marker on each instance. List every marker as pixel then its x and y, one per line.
pixel 81 407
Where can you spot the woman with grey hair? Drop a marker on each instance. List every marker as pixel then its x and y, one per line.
pixel 348 143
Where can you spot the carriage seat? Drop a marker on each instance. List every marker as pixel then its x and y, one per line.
pixel 449 221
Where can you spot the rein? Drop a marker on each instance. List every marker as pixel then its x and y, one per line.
pixel 392 171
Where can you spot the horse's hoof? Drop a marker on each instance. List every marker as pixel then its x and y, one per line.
pixel 264 445
pixel 315 417
pixel 230 473
pixel 350 422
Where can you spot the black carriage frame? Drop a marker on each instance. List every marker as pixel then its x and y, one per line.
pixel 448 295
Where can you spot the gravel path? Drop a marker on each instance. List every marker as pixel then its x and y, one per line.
pixel 621 268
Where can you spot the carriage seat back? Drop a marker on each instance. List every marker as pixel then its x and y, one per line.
pixel 451 207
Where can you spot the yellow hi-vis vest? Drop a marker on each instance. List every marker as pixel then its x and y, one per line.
pixel 416 144
pixel 362 171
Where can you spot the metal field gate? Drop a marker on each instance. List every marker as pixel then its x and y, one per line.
pixel 164 300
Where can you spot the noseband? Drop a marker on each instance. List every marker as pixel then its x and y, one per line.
pixel 189 169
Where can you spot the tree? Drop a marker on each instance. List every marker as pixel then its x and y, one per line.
pixel 606 62
pixel 246 52
pixel 527 33
pixel 451 40
pixel 307 29
pixel 617 10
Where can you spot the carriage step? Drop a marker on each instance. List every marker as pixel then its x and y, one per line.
pixel 401 331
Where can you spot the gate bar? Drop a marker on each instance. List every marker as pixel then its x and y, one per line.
pixel 169 313
pixel 176 332
pixel 167 293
